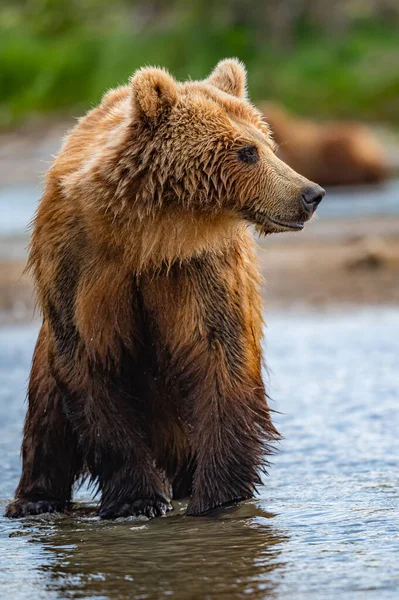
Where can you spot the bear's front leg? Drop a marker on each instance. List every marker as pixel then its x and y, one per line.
pixel 232 429
pixel 105 414
pixel 212 332
pixel 231 437
pixel 116 451
pixel 129 482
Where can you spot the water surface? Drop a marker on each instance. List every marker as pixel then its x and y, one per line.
pixel 325 525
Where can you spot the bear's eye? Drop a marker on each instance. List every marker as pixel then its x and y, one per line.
pixel 248 155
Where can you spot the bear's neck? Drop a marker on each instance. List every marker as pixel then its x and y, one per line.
pixel 168 239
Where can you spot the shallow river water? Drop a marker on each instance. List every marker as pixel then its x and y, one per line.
pixel 326 522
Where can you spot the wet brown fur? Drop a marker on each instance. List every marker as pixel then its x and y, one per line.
pixel 147 370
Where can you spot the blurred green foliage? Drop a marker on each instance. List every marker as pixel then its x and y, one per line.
pixel 315 56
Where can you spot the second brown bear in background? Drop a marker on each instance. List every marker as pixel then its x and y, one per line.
pixel 335 153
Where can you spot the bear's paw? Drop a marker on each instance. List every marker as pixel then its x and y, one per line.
pixel 25 508
pixel 145 507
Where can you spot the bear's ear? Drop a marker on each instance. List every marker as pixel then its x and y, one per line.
pixel 230 76
pixel 154 92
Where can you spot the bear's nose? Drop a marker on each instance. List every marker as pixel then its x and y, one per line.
pixel 312 195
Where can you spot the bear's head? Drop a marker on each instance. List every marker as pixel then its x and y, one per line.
pixel 202 147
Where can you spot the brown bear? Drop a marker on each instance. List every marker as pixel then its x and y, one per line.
pixel 146 375
pixel 335 153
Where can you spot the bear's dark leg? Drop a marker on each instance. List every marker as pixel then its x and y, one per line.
pixel 124 467
pixel 232 429
pixel 210 350
pixel 119 459
pixel 218 365
pixel 210 341
pixel 51 461
pixel 230 440
pixel 103 408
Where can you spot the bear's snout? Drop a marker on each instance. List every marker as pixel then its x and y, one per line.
pixel 311 197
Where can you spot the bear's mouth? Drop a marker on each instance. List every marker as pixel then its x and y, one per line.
pixel 263 220
pixel 290 225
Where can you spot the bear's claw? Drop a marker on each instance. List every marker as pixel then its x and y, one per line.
pixel 24 508
pixel 149 508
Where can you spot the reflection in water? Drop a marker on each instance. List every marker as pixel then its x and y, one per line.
pixel 230 554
